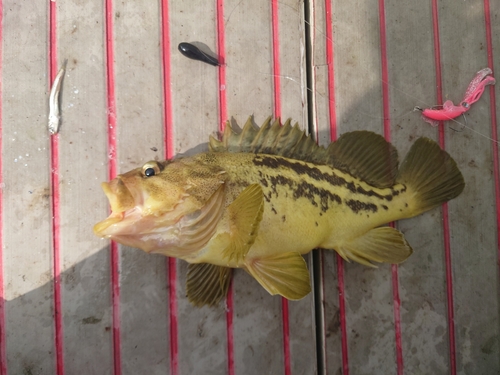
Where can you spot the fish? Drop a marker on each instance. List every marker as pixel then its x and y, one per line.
pixel 261 198
pixel 54 109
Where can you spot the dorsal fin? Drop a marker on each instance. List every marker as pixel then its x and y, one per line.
pixel 362 154
pixel 273 139
pixel 366 155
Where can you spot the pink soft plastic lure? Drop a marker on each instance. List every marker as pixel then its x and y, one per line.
pixel 450 111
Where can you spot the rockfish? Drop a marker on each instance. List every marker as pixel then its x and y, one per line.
pixel 261 198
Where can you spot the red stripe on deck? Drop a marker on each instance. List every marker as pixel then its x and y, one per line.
pixel 446 227
pixel 56 218
pixel 221 52
pixel 387 135
pixel 277 113
pixel 333 136
pixel 112 171
pixel 3 358
pixel 171 263
pixel 493 114
pixel 167 84
pixel 286 335
pixel 397 318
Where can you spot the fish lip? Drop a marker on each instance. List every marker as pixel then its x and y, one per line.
pixel 101 229
pixel 132 223
pixel 120 223
pixel 135 230
pixel 121 196
pixel 129 217
pixel 123 202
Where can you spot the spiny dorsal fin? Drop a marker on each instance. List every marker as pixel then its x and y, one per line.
pixel 287 140
pixel 362 154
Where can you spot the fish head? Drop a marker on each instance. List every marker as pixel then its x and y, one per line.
pixel 163 207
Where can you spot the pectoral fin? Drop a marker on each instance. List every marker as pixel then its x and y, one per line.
pixel 384 245
pixel 207 284
pixel 245 214
pixel 285 274
pixel 197 228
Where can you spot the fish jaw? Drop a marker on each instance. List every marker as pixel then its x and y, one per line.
pixel 121 200
pixel 132 225
pixel 147 232
pixel 128 224
pixel 102 228
pixel 124 208
pixel 180 232
pixel 119 196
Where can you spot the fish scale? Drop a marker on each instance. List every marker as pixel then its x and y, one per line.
pixel 317 202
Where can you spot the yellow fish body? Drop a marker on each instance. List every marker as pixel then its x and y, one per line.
pixel 261 198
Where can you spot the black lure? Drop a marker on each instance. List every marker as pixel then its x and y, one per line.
pixel 191 51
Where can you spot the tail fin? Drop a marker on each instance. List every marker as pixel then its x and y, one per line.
pixel 431 175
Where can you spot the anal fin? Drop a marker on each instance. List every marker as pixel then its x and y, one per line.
pixel 383 245
pixel 207 284
pixel 285 274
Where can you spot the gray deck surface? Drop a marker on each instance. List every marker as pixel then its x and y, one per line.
pixel 144 324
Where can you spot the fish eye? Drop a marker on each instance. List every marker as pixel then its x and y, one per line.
pixel 150 169
pixel 149 172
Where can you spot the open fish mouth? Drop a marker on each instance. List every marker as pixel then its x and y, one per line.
pixel 120 223
pixel 128 223
pixel 101 229
pixel 147 232
pixel 180 231
pixel 120 197
pixel 125 209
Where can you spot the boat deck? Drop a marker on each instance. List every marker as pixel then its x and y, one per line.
pixel 74 304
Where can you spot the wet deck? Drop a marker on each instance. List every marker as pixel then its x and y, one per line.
pixel 74 304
